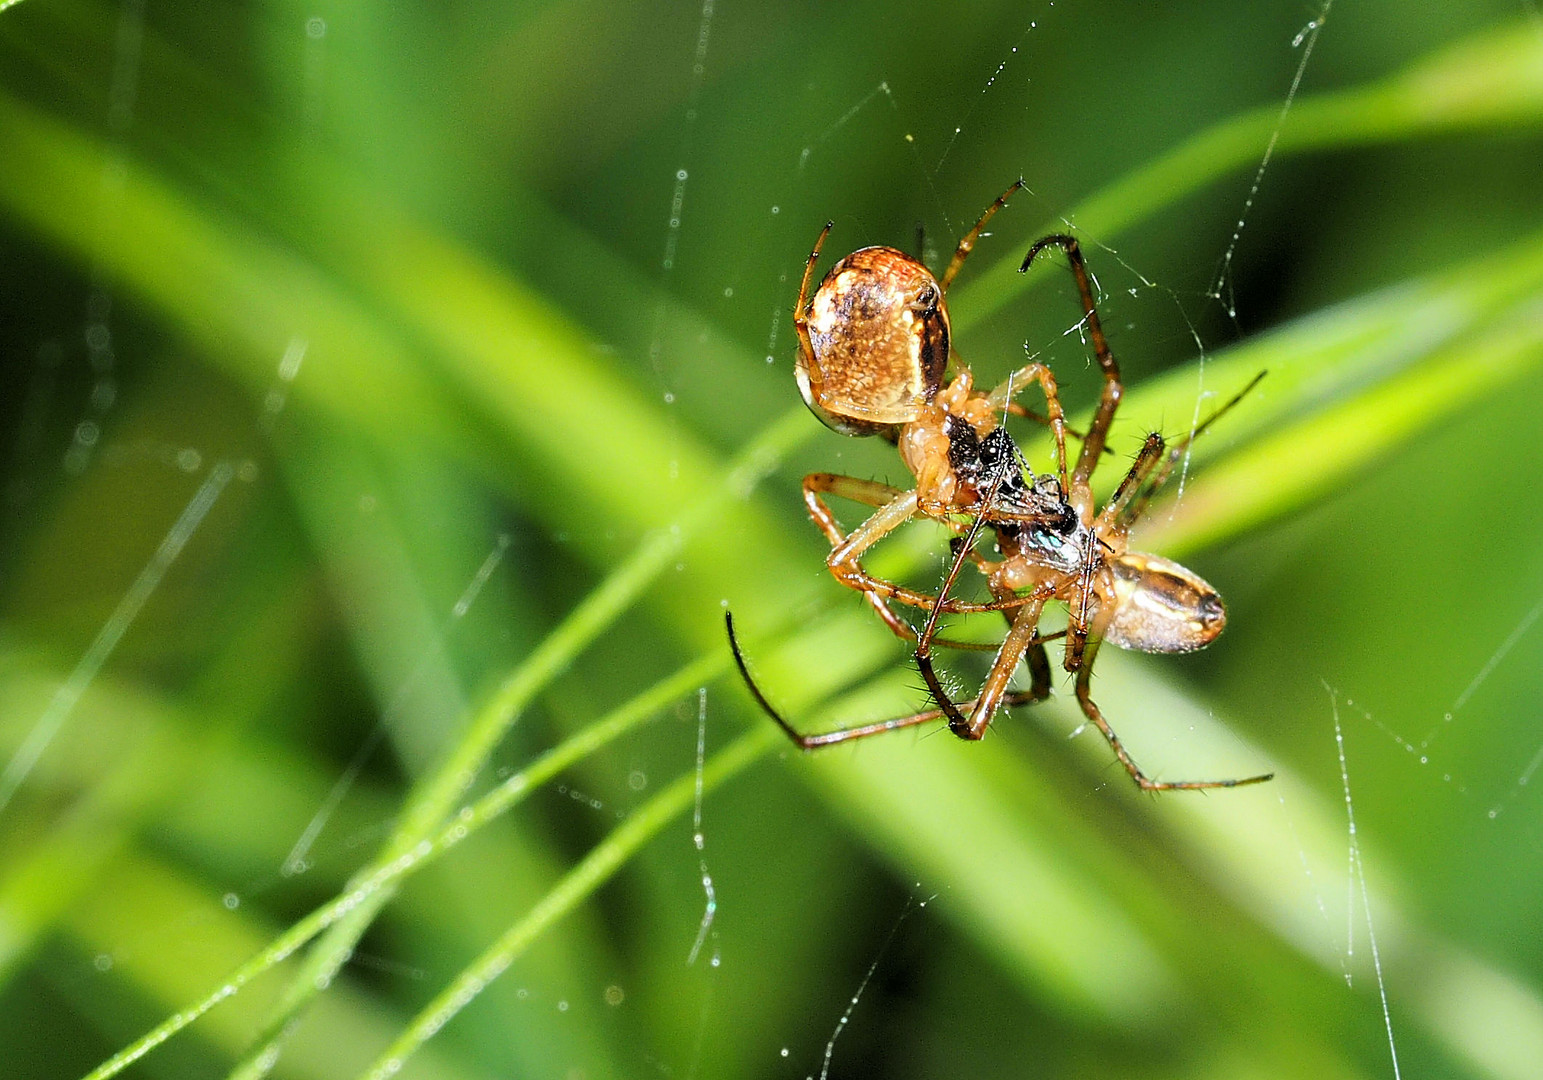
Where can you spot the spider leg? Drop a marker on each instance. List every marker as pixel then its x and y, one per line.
pixel 871 493
pixel 967 244
pixel 1015 409
pixel 846 734
pixel 895 508
pixel 1021 639
pixel 1147 459
pixel 1175 452
pixel 1109 400
pixel 801 314
pixel 1092 712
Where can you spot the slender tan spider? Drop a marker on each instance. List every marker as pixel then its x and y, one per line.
pixel 873 356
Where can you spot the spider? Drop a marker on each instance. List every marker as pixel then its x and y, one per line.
pixel 874 359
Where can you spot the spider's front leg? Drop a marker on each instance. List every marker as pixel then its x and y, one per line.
pixel 1109 399
pixel 967 241
pixel 857 731
pixel 801 309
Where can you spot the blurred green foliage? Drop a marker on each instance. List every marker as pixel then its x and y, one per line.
pixel 395 395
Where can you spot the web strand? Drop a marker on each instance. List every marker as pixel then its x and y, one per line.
pixel 69 694
pixel 1305 40
pixel 699 838
pixel 1357 877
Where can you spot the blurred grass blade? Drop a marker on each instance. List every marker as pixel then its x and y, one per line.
pixel 434 797
pixel 594 870
pixel 509 793
pixel 1492 80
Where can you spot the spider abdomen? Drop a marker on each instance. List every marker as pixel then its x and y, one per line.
pixel 879 332
pixel 1162 607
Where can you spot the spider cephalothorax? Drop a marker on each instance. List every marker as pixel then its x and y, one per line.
pixel 874 353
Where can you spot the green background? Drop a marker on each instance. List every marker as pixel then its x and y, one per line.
pixel 533 271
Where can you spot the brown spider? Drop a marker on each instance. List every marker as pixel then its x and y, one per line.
pixel 873 354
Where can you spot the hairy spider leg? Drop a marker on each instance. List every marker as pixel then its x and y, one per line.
pixel 870 493
pixel 1092 712
pixel 846 551
pixel 1139 504
pixel 859 731
pixel 1021 640
pixel 967 242
pixel 1147 459
pixel 801 313
pixel 1109 399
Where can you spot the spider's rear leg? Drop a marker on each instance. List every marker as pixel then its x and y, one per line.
pixel 1148 459
pixel 1138 505
pixel 1091 710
